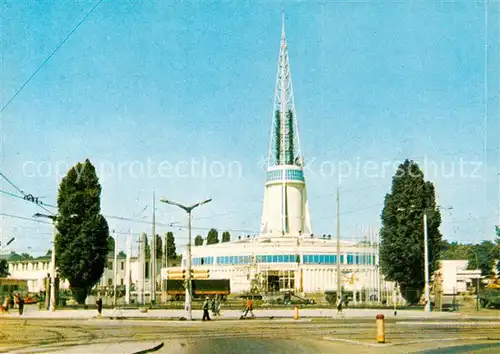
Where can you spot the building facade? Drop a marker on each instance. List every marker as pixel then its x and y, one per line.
pixel 286 254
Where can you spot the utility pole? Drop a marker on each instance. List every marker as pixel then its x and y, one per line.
pixel 426 266
pixel 115 268
pixel 127 268
pixel 152 273
pixel 339 285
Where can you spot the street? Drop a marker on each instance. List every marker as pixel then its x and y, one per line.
pixel 242 336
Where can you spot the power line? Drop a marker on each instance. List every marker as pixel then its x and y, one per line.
pixel 27 197
pixel 50 56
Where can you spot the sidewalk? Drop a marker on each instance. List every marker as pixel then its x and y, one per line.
pixel 32 312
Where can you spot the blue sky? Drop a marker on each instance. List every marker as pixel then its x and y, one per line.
pixel 141 82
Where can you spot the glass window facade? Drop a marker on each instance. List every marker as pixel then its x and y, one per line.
pixel 352 258
pixel 274 175
pixel 294 175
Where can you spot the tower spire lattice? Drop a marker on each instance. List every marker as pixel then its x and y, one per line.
pixel 284 148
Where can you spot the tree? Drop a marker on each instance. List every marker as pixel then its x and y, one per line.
pixel 198 240
pixel 454 251
pixel 483 256
pixel 4 268
pixel 159 247
pixel 212 237
pixel 171 250
pixel 82 242
pixel 402 236
pixel 226 237
pixel 26 257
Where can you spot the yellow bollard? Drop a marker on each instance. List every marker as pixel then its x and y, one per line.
pixel 296 315
pixel 380 328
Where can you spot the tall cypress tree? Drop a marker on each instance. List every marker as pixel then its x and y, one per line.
pixel 83 234
pixel 402 235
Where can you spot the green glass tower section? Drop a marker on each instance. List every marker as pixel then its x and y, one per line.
pixel 285 145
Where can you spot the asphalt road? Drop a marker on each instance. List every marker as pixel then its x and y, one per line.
pixel 244 336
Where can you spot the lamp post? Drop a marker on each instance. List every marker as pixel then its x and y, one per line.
pixel 427 307
pixel 8 243
pixel 52 306
pixel 188 209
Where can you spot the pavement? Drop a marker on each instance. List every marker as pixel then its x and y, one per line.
pixel 260 335
pixel 33 312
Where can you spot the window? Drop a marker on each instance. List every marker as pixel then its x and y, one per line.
pixel 110 281
pixel 350 259
pixel 275 259
pixel 316 259
pixel 286 258
pixel 122 265
pixel 121 281
pixel 357 259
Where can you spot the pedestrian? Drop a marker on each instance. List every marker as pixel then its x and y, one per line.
pixel 206 306
pixel 20 304
pixel 249 307
pixel 339 306
pixel 216 307
pixel 11 301
pixel 99 306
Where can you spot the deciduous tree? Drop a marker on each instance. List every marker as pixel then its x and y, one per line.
pixel 226 237
pixel 402 237
pixel 212 237
pixel 198 240
pixel 171 250
pixel 82 242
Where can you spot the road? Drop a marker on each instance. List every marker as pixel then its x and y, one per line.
pixel 242 336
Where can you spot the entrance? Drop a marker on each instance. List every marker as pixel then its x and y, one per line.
pixel 275 280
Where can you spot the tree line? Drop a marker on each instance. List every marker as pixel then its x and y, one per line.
pixel 212 238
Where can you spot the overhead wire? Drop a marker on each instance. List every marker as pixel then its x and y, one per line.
pixel 49 57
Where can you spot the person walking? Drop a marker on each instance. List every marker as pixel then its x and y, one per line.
pixel 99 306
pixel 206 306
pixel 216 307
pixel 339 307
pixel 249 307
pixel 20 304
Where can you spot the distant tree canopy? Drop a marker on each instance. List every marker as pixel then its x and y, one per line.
pixel 454 251
pixel 402 236
pixel 483 256
pixel 226 237
pixel 198 240
pixel 212 237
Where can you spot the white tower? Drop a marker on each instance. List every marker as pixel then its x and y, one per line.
pixel 285 210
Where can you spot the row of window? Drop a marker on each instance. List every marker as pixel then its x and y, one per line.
pixel 358 259
pixel 294 175
pixel 274 175
pixel 282 258
pixel 204 260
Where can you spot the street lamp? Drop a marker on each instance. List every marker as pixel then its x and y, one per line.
pixel 8 243
pixel 52 306
pixel 426 254
pixel 188 209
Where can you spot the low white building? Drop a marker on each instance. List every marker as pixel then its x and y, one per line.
pixel 456 278
pixel 36 270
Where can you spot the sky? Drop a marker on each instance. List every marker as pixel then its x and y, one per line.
pixel 177 98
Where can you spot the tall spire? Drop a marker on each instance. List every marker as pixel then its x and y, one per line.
pixel 284 148
pixel 285 211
